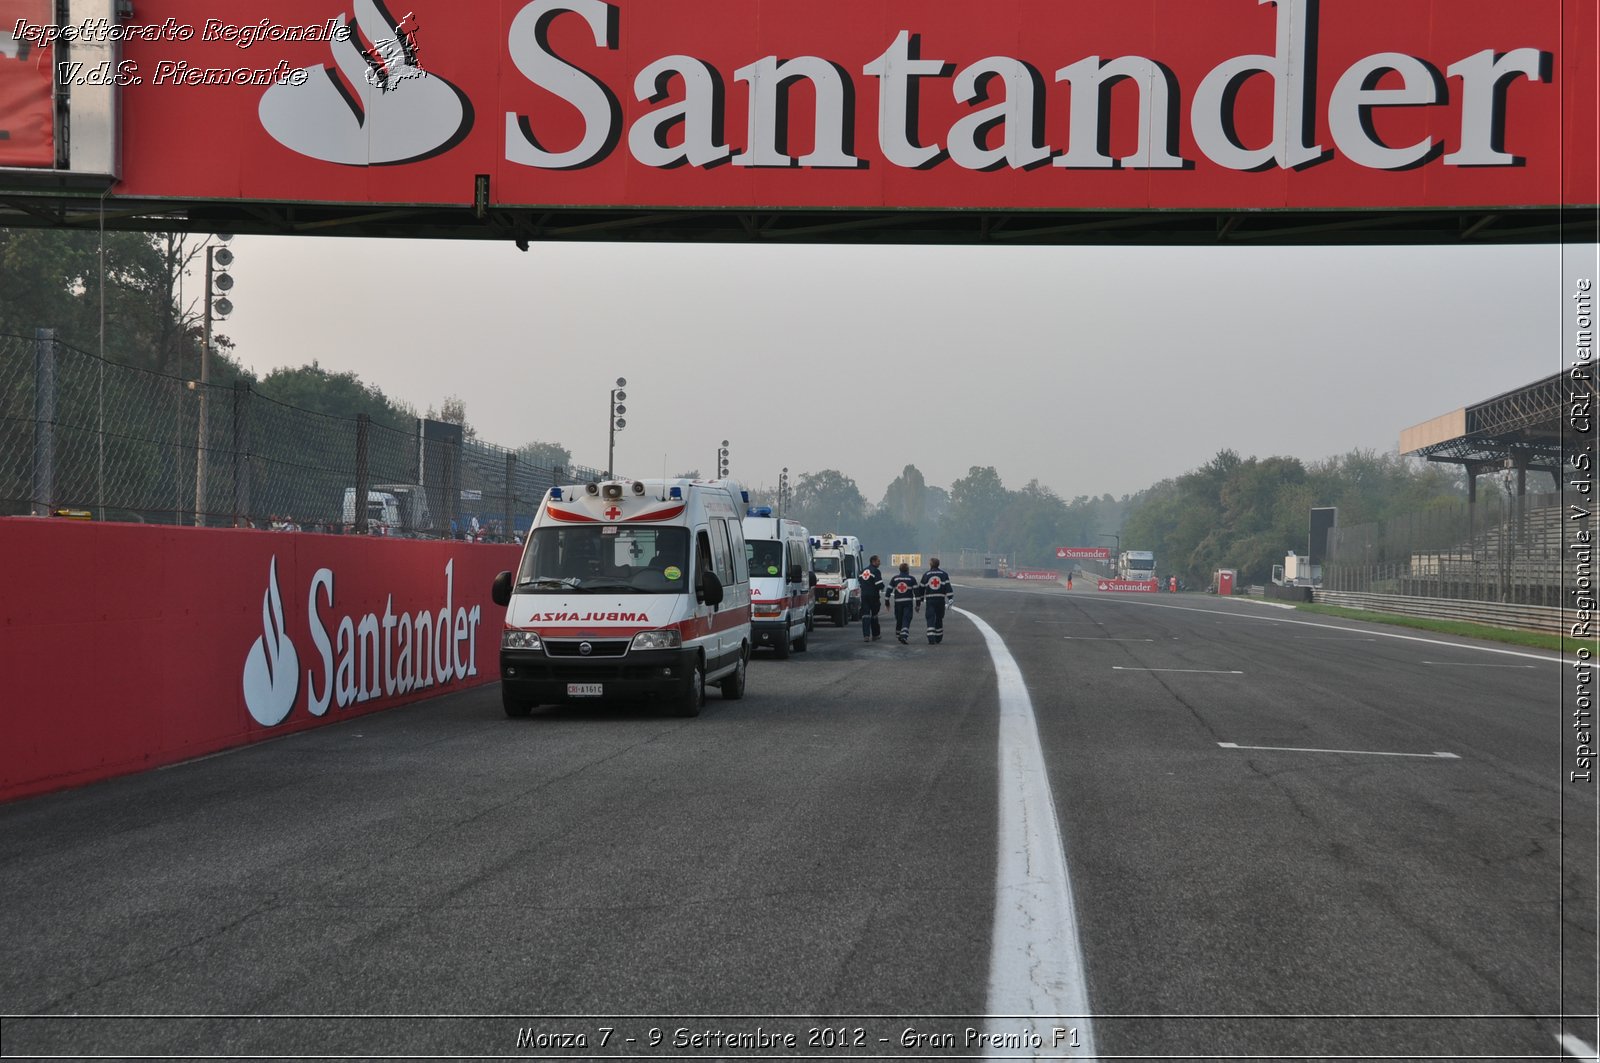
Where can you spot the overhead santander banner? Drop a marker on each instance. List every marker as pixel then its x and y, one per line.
pixel 1015 104
pixel 27 101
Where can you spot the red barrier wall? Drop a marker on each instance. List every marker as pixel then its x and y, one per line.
pixel 126 646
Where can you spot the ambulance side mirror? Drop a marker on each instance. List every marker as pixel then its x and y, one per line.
pixel 813 579
pixel 710 591
pixel 501 593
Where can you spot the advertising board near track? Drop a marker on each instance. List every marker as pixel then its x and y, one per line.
pixel 200 639
pixel 1128 586
pixel 1013 104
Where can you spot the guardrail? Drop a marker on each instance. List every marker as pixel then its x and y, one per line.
pixel 1495 614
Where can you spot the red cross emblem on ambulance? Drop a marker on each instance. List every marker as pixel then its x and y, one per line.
pixel 613 513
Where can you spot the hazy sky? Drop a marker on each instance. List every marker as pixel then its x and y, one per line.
pixel 1092 370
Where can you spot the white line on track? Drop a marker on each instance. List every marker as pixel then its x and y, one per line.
pixel 1363 752
pixel 1576 1048
pixel 1334 638
pixel 1475 664
pixel 1197 671
pixel 1547 658
pixel 1035 959
pixel 1100 638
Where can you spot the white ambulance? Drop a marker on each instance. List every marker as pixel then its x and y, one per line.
pixel 780 581
pixel 628 590
pixel 838 560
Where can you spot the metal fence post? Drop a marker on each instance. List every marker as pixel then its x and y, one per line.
pixel 511 493
pixel 241 452
pixel 451 479
pixel 360 506
pixel 44 421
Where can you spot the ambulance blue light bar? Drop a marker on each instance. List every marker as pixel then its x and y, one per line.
pixel 759 511
pixel 676 492
pixel 555 493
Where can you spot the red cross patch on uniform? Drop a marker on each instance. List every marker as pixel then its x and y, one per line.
pixel 934 583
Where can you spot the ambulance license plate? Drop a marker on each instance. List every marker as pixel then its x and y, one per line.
pixel 585 690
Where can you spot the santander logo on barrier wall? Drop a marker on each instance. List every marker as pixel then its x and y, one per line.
pixel 367 657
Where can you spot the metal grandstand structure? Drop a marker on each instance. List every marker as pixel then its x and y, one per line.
pixel 1501 545
pixel 1523 429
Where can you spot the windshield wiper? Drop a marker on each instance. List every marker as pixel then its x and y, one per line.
pixel 576 584
pixel 601 583
pixel 549 583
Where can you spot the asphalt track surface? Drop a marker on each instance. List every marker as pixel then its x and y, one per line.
pixel 1267 854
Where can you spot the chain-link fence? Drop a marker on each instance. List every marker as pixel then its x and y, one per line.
pixel 1501 548
pixel 82 436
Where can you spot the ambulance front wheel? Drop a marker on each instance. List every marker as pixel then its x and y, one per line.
pixel 694 695
pixel 732 686
pixel 515 707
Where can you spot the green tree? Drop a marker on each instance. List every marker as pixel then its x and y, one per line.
pixel 828 501
pixel 453 410
pixel 313 388
pixel 544 455
pixel 906 497
pixel 977 504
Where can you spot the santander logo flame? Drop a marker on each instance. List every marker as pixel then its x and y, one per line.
pixel 357 657
pixel 272 668
pixel 375 106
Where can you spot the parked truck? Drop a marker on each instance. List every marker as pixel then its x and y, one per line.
pixel 1297 571
pixel 392 509
pixel 1136 565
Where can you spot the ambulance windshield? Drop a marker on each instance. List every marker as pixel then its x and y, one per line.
pixel 606 557
pixel 825 566
pixel 766 558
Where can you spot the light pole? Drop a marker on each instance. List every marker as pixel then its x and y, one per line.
pixel 722 461
pixel 783 492
pixel 1118 538
pixel 614 411
pixel 218 283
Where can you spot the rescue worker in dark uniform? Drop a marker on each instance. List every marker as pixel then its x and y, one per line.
pixel 905 592
pixel 871 600
pixel 937 594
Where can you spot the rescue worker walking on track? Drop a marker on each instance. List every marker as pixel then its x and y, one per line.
pixel 937 593
pixel 871 600
pixel 906 593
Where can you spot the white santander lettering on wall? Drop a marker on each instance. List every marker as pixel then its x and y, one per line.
pixel 371 657
pixel 899 72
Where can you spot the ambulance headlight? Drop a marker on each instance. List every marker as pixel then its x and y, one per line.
pixel 668 639
pixel 520 640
